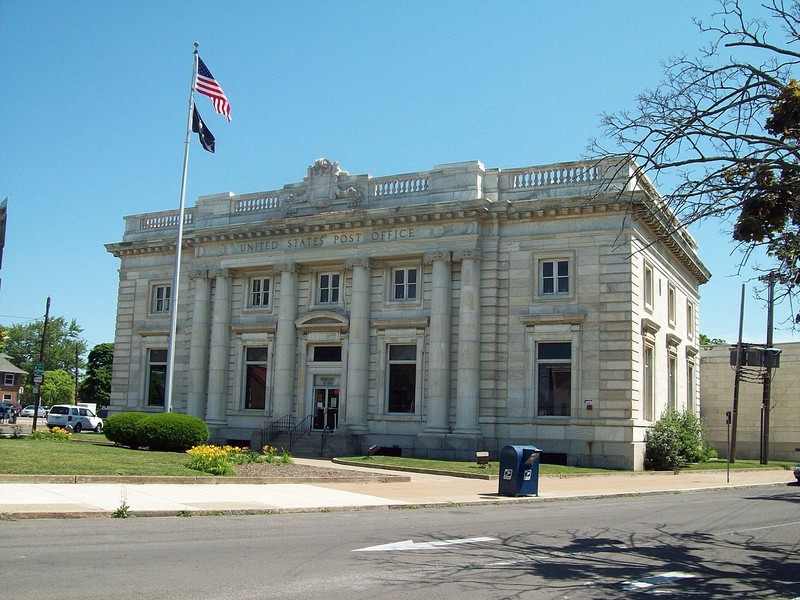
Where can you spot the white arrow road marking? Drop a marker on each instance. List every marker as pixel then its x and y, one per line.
pixel 654 580
pixel 411 545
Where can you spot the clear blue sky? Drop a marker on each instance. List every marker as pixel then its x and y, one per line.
pixel 94 103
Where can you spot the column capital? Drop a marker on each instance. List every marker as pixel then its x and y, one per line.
pixel 288 267
pixel 220 273
pixel 439 256
pixel 357 261
pixel 471 254
pixel 198 274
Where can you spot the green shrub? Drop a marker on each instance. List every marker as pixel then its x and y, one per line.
pixel 125 429
pixel 675 440
pixel 173 432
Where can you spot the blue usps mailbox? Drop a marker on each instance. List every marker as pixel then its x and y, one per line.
pixel 519 471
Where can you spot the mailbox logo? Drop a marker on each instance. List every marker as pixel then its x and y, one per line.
pixel 508 473
pixel 526 476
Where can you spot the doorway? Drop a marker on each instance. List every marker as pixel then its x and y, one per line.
pixel 326 402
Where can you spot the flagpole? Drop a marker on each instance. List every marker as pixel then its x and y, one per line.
pixel 173 302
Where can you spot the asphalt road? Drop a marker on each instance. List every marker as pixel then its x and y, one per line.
pixel 725 544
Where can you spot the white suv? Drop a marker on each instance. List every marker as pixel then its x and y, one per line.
pixel 76 418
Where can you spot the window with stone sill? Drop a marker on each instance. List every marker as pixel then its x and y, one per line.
pixel 259 293
pixel 554 379
pixel 404 284
pixel 671 304
pixel 554 277
pixel 328 288
pixel 401 378
pixel 156 376
pixel 255 378
pixel 160 299
pixel 648 284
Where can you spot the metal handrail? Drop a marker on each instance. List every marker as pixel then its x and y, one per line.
pixel 299 430
pixel 274 429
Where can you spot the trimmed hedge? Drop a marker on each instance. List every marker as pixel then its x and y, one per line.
pixel 168 432
pixel 173 432
pixel 124 429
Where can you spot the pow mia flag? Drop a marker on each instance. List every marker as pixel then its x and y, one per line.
pixel 206 137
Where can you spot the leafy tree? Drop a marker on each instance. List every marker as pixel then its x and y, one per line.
pixel 707 341
pixel 58 387
pixel 23 344
pixel 724 130
pixel 96 386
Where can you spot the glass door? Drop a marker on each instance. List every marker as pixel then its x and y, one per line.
pixel 326 402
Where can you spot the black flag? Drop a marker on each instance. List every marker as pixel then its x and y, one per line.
pixel 206 137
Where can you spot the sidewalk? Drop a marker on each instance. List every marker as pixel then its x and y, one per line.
pixel 42 499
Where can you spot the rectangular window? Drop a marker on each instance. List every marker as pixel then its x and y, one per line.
pixel 690 320
pixel 156 377
pixel 159 303
pixel 553 277
pixel 690 386
pixel 8 379
pixel 648 286
pixel 672 375
pixel 671 300
pixel 255 378
pixel 402 379
pixel 328 292
pixel 404 284
pixel 259 292
pixel 554 379
pixel 649 408
pixel 327 354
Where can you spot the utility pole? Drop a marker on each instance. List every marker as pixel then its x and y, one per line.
pixel 736 378
pixel 41 363
pixel 766 390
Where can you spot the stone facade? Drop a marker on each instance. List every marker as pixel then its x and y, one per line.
pixel 716 385
pixel 443 312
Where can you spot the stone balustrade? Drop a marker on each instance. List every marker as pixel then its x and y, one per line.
pixel 450 182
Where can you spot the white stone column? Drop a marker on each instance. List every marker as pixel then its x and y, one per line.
pixel 438 399
pixel 220 348
pixel 469 340
pixel 198 344
pixel 285 343
pixel 358 348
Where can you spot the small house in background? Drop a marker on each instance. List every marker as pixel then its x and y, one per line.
pixel 11 379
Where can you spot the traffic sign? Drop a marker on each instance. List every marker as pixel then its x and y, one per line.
pixel 38 368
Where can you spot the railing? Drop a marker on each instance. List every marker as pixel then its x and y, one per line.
pixel 258 202
pixel 160 221
pixel 400 185
pixel 573 174
pixel 299 430
pixel 276 428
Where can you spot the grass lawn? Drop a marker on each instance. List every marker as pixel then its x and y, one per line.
pixel 93 454
pixel 721 463
pixel 462 466
pixel 88 454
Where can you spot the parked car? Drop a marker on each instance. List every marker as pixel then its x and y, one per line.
pixel 797 473
pixel 9 410
pixel 75 417
pixel 28 411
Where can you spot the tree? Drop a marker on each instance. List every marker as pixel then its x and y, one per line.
pixel 96 386
pixel 58 387
pixel 707 341
pixel 23 344
pixel 724 130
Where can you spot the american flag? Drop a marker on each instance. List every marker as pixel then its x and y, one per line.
pixel 208 86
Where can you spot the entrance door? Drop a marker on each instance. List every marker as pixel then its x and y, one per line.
pixel 326 402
